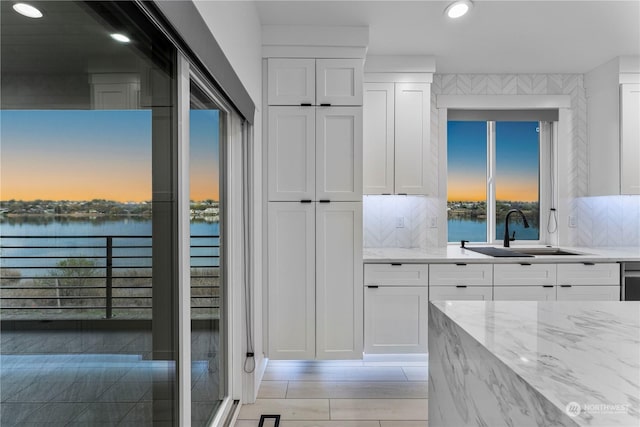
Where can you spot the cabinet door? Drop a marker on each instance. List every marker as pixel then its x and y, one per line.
pixel 378 138
pixel 524 293
pixel 395 319
pixel 412 136
pixel 291 151
pixel 291 81
pixel 339 154
pixel 291 280
pixel 339 81
pixel 588 293
pixel 629 139
pixel 339 296
pixel 463 293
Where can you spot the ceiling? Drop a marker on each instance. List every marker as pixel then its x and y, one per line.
pixel 515 36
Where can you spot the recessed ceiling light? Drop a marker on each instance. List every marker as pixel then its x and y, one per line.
pixel 458 8
pixel 27 10
pixel 120 37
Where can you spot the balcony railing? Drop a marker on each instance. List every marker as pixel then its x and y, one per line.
pixel 96 277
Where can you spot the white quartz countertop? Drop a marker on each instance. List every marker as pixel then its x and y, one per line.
pixel 571 352
pixel 454 253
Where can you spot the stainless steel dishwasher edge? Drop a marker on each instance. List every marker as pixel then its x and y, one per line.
pixel 630 281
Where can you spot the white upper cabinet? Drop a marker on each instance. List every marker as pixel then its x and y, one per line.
pixel 338 82
pixel 378 138
pixel 397 126
pixel 413 124
pixel 630 139
pixel 613 108
pixel 291 81
pixel 339 154
pixel 329 82
pixel 291 151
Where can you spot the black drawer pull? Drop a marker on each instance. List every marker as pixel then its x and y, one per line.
pixel 324 201
pixel 372 286
pixel 588 263
pixel 525 263
pixel 305 104
pixel 325 105
pixel 461 264
pixel 565 286
pixel 305 201
pixel 395 264
pixel 547 286
pixel 386 194
pixel 402 194
pixel 461 286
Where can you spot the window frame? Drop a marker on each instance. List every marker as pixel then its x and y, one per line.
pixel 554 183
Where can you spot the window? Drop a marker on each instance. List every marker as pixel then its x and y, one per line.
pixel 493 167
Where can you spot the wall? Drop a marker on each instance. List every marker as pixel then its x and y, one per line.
pixel 384 212
pixel 237 29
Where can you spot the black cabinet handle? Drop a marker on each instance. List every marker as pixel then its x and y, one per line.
pixel 325 105
pixel 372 286
pixel 395 264
pixel 461 286
pixel 402 194
pixel 324 201
pixel 305 104
pixel 525 263
pixel 565 286
pixel 386 194
pixel 305 201
pixel 547 286
pixel 588 263
pixel 461 264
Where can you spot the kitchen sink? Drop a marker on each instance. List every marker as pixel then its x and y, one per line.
pixel 542 251
pixel 518 252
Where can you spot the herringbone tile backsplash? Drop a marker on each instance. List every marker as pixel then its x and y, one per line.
pixel 608 221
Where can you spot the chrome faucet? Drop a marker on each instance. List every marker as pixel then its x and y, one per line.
pixel 507 239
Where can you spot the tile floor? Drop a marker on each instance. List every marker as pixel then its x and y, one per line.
pixel 375 392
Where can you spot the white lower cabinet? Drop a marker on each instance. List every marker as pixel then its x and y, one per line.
pixel 396 319
pixel 315 280
pixel 588 293
pixel 525 293
pixel 460 293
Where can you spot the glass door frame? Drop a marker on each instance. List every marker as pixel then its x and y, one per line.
pixel 231 229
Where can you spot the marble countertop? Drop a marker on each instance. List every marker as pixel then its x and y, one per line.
pixel 454 253
pixel 582 352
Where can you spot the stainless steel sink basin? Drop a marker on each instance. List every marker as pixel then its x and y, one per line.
pixel 542 251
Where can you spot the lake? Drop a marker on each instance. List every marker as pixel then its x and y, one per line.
pixel 476 231
pixel 50 228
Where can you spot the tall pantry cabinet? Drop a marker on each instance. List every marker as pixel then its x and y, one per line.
pixel 314 172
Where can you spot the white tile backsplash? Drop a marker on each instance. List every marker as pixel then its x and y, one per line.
pixel 381 214
pixel 608 221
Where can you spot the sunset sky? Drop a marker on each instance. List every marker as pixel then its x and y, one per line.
pixel 517 161
pixel 96 154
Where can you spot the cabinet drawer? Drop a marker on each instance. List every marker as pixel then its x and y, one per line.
pixel 396 274
pixel 589 274
pixel 524 274
pixel 525 293
pixel 588 293
pixel 460 274
pixel 460 293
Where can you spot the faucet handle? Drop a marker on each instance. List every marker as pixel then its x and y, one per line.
pixel 462 242
pixel 513 236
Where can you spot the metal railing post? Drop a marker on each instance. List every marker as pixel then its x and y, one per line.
pixel 109 278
